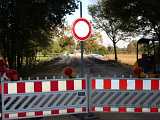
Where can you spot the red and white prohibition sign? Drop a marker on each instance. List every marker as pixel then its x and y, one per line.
pixel 81 29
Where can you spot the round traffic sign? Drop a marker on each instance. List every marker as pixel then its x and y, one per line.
pixel 81 29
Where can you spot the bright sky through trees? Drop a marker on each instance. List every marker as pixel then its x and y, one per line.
pixel 71 18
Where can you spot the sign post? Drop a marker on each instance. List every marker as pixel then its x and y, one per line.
pixel 81 30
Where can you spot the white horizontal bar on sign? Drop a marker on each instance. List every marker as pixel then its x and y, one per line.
pixel 29 86
pixel 47 113
pixel 30 114
pixel 115 84
pixel 77 110
pixel 99 84
pixel 61 85
pixel 12 88
pixel 46 86
pixel 77 84
pixel 114 109
pixel 130 109
pixel 100 109
pixel 63 111
pixel 15 115
pixel 130 84
pixel 146 84
pixel 145 109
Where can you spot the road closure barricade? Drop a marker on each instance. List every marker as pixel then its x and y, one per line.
pixel 49 97
pixel 125 95
pixel 40 98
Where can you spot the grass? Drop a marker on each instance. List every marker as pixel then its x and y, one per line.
pixel 129 59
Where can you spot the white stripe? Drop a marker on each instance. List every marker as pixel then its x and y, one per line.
pixel 130 109
pixel 13 115
pixel 158 109
pixel 30 114
pixel 146 84
pixel 145 109
pixel 115 84
pixel 12 88
pixel 99 109
pixel 99 83
pixel 77 110
pixel 77 84
pixel 62 85
pixel 130 84
pixel 29 87
pixel 64 111
pixel 114 109
pixel 46 86
pixel 47 113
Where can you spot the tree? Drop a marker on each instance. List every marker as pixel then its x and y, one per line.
pixel 138 15
pixel 110 24
pixel 28 26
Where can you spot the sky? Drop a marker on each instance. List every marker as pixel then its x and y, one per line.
pixel 85 14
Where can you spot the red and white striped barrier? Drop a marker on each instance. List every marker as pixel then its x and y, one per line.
pixel 124 109
pixel 43 86
pixel 126 84
pixel 44 113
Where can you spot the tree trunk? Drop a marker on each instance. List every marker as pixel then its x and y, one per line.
pixel 115 51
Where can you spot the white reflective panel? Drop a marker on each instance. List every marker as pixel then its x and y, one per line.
pixel 13 115
pixel 64 111
pixel 62 85
pixel 99 83
pixel 114 84
pixel 114 109
pixel 145 109
pixel 99 109
pixel 12 88
pixel 77 84
pixel 146 84
pixel 29 87
pixel 130 109
pixel 46 86
pixel 130 84
pixel 46 112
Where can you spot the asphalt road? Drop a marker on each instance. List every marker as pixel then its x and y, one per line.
pixel 107 116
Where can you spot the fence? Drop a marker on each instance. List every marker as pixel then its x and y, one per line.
pixel 40 98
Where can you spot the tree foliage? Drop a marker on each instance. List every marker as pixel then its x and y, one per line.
pixel 27 26
pixel 141 15
pixel 105 21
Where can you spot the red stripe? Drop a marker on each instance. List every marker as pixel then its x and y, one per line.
pixel 107 109
pixel 56 111
pixel 107 84
pixel 38 113
pixel 5 88
pixel 70 84
pixel 37 86
pixel 123 84
pixel 154 84
pixel 70 110
pixel 21 87
pixel 139 84
pixel 83 84
pixel 93 109
pixel 22 114
pixel 138 109
pixel 122 109
pixel 6 115
pixel 154 109
pixel 54 85
pixel 84 109
pixel 93 84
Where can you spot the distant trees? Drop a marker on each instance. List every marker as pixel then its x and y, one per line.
pixel 28 26
pixel 102 15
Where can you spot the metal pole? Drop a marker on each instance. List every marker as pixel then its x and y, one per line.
pixel 82 46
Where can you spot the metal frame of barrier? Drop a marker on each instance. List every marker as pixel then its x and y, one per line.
pixel 39 98
pixel 125 95
pixel 49 97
